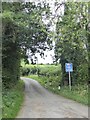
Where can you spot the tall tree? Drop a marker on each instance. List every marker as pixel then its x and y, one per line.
pixel 71 40
pixel 23 29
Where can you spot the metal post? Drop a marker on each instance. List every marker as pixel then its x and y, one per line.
pixel 69 81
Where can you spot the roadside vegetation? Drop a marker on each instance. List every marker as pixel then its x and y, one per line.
pixel 12 100
pixel 78 93
pixel 18 19
pixel 25 33
pixel 50 76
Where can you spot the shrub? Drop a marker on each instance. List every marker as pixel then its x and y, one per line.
pixel 25 71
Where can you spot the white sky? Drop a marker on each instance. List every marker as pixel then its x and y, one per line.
pixel 49 54
pixel 48 58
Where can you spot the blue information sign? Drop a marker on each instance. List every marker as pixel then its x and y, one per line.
pixel 69 67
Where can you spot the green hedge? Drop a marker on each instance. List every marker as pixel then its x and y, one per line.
pixel 12 100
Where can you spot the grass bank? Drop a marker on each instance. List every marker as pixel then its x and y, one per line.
pixel 78 93
pixel 12 100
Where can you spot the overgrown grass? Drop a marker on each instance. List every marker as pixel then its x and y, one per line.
pixel 12 100
pixel 78 93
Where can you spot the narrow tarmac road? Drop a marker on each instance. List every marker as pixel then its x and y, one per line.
pixel 40 103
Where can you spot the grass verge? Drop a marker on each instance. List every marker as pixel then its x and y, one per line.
pixel 12 100
pixel 78 93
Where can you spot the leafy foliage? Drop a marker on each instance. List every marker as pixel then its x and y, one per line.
pixel 23 29
pixel 12 100
pixel 41 70
pixel 78 93
pixel 71 40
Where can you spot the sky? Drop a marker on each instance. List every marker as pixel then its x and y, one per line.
pixel 49 54
pixel 48 58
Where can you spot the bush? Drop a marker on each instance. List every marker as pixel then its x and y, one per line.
pixel 33 70
pixel 10 63
pixel 12 100
pixel 25 71
pixel 80 76
pixel 78 93
pixel 50 70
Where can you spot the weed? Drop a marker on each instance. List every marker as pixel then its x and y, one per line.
pixel 12 100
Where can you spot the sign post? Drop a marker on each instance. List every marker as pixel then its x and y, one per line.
pixel 69 68
pixel 69 81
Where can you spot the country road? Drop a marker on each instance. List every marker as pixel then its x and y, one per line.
pixel 40 103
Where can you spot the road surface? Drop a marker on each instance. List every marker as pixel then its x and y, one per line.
pixel 40 103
